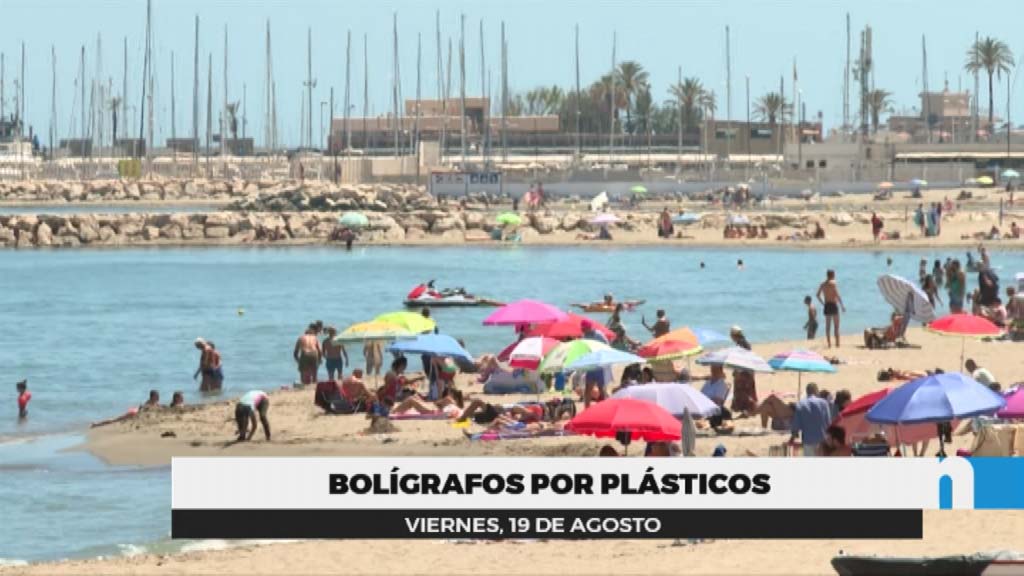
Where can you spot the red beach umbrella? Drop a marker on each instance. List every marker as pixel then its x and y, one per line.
pixel 964 325
pixel 638 418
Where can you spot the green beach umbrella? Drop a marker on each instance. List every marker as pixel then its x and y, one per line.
pixel 1010 174
pixel 509 218
pixel 373 331
pixel 638 189
pixel 568 352
pixel 354 220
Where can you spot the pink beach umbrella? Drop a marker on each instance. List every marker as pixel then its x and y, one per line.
pixel 1014 404
pixel 524 312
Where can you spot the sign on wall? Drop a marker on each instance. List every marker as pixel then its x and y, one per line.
pixel 465 182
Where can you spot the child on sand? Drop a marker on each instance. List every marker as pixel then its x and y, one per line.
pixel 812 318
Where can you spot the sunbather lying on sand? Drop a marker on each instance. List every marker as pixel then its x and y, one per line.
pixel 152 404
pixel 897 374
pixel 450 405
pixel 483 413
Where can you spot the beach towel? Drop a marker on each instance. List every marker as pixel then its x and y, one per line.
pixel 491 435
pixel 425 416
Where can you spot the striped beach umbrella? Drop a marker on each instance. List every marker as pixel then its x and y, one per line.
pixel 678 343
pixel 906 298
pixel 801 361
pixel 567 353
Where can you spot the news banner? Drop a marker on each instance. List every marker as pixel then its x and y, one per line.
pixel 579 498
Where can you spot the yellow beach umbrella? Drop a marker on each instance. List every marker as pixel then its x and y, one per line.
pixel 986 181
pixel 411 321
pixel 373 331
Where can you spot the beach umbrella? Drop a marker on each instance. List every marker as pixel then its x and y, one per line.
pixel 918 182
pixel 710 339
pixel 354 220
pixel 885 186
pixel 854 421
pixel 433 345
pixel 638 189
pixel 964 325
pixel 528 352
pixel 568 352
pixel 568 328
pixel 509 219
pixel 601 358
pixel 736 358
pixel 626 418
pixel 906 298
pixel 676 398
pixel 524 312
pixel 411 321
pixel 1014 404
pixel 686 218
pixel 937 398
pixel 1010 174
pixel 678 343
pixel 801 361
pixel 373 331
pixel 985 181
pixel 738 219
pixel 605 219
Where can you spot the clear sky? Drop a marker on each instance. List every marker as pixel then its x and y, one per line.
pixel 766 38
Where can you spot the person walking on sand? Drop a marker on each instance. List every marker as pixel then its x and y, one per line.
pixel 811 420
pixel 335 355
pixel 812 318
pixel 876 226
pixel 832 302
pixel 307 354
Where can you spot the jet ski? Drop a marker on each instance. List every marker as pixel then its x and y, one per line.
pixel 427 295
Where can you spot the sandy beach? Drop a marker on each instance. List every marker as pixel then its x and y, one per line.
pixel 300 429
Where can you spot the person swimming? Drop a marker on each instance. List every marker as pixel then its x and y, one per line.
pixel 253 403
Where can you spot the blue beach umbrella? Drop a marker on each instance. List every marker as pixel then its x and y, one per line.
pixel 687 218
pixel 603 357
pixel 936 398
pixel 433 345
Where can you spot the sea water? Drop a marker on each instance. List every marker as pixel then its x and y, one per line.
pixel 95 330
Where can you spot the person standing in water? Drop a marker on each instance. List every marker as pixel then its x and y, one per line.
pixel 307 354
pixel 253 403
pixel 661 324
pixel 24 396
pixel 209 367
pixel 812 318
pixel 335 355
pixel 832 302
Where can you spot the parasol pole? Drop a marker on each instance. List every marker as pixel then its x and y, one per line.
pixel 963 345
pixel 799 384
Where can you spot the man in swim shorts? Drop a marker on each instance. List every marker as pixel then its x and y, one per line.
pixel 252 403
pixel 307 354
pixel 335 355
pixel 832 302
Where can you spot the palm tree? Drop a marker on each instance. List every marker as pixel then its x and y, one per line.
pixel 645 109
pixel 878 101
pixel 632 79
pixel 770 106
pixel 994 57
pixel 689 95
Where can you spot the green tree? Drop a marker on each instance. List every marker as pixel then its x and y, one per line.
pixel 879 101
pixel 770 106
pixel 994 57
pixel 632 79
pixel 689 96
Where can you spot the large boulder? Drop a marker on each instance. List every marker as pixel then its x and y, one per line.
pixel 544 224
pixel 88 232
pixel 217 232
pixel 171 231
pixel 446 224
pixel 25 239
pixel 151 233
pixel 570 221
pixel 44 235
pixel 473 220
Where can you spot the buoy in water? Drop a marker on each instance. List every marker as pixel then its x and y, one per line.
pixel 241 311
